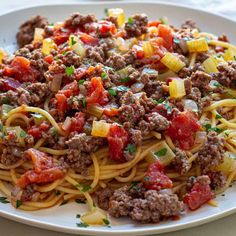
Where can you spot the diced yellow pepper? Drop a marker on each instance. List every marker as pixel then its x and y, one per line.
pixel 100 129
pixel 2 55
pixel 230 54
pixel 210 65
pixel 147 49
pixel 172 62
pixel 38 35
pixel 76 45
pixel 177 88
pixel 228 163
pixel 48 46
pixel 119 13
pixel 198 45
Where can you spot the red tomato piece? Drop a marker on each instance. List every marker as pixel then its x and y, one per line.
pixel 61 102
pixel 77 122
pixel 70 89
pixel 165 32
pixel 35 132
pixel 183 128
pixel 9 84
pixel 111 111
pixel 106 27
pixel 154 23
pixel 155 177
pixel 87 39
pixel 61 34
pixel 117 139
pixel 139 51
pixel 199 195
pixel 96 93
pixel 49 59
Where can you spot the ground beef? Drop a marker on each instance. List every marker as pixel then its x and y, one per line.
pixel 218 179
pixel 116 61
pixel 189 24
pixel 112 19
pixel 180 162
pixel 135 137
pixel 201 80
pixel 149 206
pixel 153 88
pixel 127 98
pixel 195 94
pixel 227 74
pixel 57 68
pixel 77 20
pixel 188 71
pixel 201 57
pixel 85 143
pixel 7 157
pixel 103 196
pixel 9 97
pixel 96 53
pixel 202 180
pixel 211 154
pixel 148 103
pixel 70 58
pixel 223 38
pixel 26 30
pixel 27 193
pixel 136 26
pixel 188 86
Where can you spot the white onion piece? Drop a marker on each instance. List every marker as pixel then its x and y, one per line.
pixel 16 152
pixel 67 123
pixel 200 138
pixel 183 45
pixel 122 44
pixel 56 83
pixel 190 105
pixel 214 84
pixel 137 87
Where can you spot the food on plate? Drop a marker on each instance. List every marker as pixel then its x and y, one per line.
pixel 132 116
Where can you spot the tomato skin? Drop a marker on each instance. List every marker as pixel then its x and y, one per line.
pixel 70 89
pixel 48 59
pixel 9 84
pixel 155 177
pixel 106 27
pixel 111 112
pixel 154 23
pixel 96 93
pixel 87 39
pixel 61 102
pixel 117 139
pixel 183 128
pixel 165 32
pixel 77 122
pixel 199 195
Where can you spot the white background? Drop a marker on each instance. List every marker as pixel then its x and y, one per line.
pixel 226 226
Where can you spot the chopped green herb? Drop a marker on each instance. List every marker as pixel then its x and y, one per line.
pixel 147 178
pixel 122 88
pixel 106 221
pixel 56 58
pixel 82 225
pixel 167 107
pixel 125 80
pixel 161 152
pixel 78 216
pixel 80 82
pixel 5 100
pixel 134 186
pixel 84 102
pixel 70 70
pixel 112 92
pixel 103 75
pixel 79 201
pixel 73 41
pixel 1 126
pixel 130 148
pixel 217 85
pixel 130 21
pixel 54 131
pixel 22 134
pixel 218 116
pixel 164 20
pixel 161 100
pixel 209 128
pixel 18 203
pixel 63 53
pixel 235 58
pixel 4 200
pixel 226 134
pixel 64 202
pixel 83 188
pixel 51 24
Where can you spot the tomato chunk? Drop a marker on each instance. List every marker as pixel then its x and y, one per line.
pixel 111 111
pixel 183 128
pixel 117 139
pixel 61 102
pixel 165 32
pixel 87 39
pixel 199 195
pixel 77 122
pixel 36 131
pixel 155 177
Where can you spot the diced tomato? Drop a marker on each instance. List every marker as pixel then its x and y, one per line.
pixel 44 170
pixel 183 128
pixel 139 51
pixel 96 93
pixel 70 89
pixel 117 139
pixel 199 195
pixel 77 122
pixel 87 39
pixel 106 27
pixel 111 111
pixel 9 84
pixel 61 102
pixel 61 34
pixel 155 177
pixel 154 23
pixel 49 59
pixel 165 32
pixel 36 131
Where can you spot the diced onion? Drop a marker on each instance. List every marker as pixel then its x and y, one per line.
pixel 228 163
pixel 137 87
pixel 77 45
pixel 94 217
pixel 197 45
pixel 100 129
pixel 56 83
pixel 48 46
pixel 19 132
pixel 177 88
pixel 147 49
pixel 190 105
pixel 94 110
pixel 210 65
pixel 122 44
pixel 38 35
pixel 200 138
pixel 172 62
pixel 67 124
pixel 119 13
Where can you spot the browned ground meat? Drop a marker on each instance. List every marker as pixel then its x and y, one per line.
pixel 189 24
pixel 180 162
pixel 95 53
pixel 202 179
pixel 116 61
pixel 26 31
pixel 149 206
pixel 70 58
pixel 79 20
pixel 223 38
pixel 195 94
pixel 7 157
pixel 136 25
pixel 227 74
pixel 188 86
pixel 211 154
pixel 201 57
pixel 201 80
pixel 112 19
pixel 103 196
pixel 135 136
pixel 218 179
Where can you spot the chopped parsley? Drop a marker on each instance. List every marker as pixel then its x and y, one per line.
pixel 70 70
pixel 79 201
pixel 78 216
pixel 161 152
pixel 209 128
pixel 226 134
pixel 218 116
pixel 103 75
pixel 134 186
pixel 80 82
pixel 18 203
pixel 51 24
pixel 63 53
pixel 112 92
pixel 130 148
pixel 83 187
pixel 164 20
pixel 22 134
pixel 130 21
pixel 106 221
pixel 161 100
pixel 73 41
pixel 122 88
pixel 82 225
pixel 4 200
pixel 147 178
pixel 126 79
pixel 54 131
pixel 167 107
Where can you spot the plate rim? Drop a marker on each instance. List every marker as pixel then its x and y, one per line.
pixel 131 232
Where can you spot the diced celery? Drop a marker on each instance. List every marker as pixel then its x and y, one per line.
pixel 38 118
pixel 5 109
pixel 100 129
pixel 94 217
pixel 228 163
pixel 210 65
pixel 94 110
pixel 77 45
pixel 230 54
pixel 163 153
pixel 166 75
pixel 147 49
pixel 172 62
pixel 177 88
pixel 198 45
pixel 123 73
pixel 48 46
pixel 119 13
pixel 38 35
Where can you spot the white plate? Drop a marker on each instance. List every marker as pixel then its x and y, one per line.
pixel 63 218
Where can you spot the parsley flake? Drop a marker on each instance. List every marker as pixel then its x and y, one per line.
pixel 73 41
pixel 22 134
pixel 235 58
pixel 1 126
pixel 4 200
pixel 218 116
pixel 106 11
pixel 161 152
pixel 130 148
pixel 18 203
pixel 82 225
pixel 164 20
pixel 78 216
pixel 106 221
pixel 126 79
pixel 130 21
pixel 80 82
pixel 70 70
pixel 83 188
pixel 134 186
pixel 103 75
pixel 112 92
pixel 147 178
pixel 215 129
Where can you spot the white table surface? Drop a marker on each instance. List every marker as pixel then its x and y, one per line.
pixel 225 226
